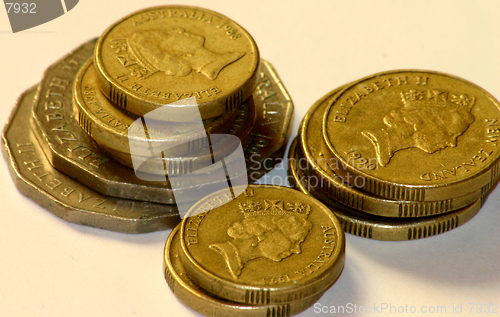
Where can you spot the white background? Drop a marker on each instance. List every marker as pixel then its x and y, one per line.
pixel 49 267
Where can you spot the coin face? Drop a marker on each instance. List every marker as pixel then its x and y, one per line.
pixel 414 135
pixel 163 54
pixel 270 245
pixel 205 303
pixel 313 163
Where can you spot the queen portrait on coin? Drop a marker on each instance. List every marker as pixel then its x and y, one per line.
pixel 178 52
pixel 271 232
pixel 429 120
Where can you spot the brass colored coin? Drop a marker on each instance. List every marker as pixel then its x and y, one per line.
pixel 381 228
pixel 414 135
pixel 71 150
pixel 191 163
pixel 66 197
pixel 209 305
pixel 244 123
pixel 113 128
pixel 272 127
pixel 158 55
pixel 320 176
pixel 270 245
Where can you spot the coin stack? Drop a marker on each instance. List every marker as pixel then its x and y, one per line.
pixel 159 105
pixel 270 252
pixel 399 155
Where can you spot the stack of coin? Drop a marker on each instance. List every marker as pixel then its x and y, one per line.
pixel 270 252
pixel 400 155
pixel 158 105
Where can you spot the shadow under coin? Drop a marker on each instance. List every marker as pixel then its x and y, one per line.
pixel 344 292
pixel 467 255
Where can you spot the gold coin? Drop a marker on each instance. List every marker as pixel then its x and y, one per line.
pixel 65 196
pixel 381 228
pixel 414 135
pixel 320 176
pixel 158 55
pixel 209 305
pixel 269 245
pixel 71 150
pixel 272 127
pixel 113 128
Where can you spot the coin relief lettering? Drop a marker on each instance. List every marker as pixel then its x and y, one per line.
pixel 82 197
pixel 31 165
pixel 270 229
pixel 194 223
pixel 68 135
pixel 465 167
pixel 41 176
pixel 54 117
pixel 175 96
pixel 271 102
pixel 71 66
pixel 50 105
pixel 98 203
pixel 67 191
pixel 57 88
pixel 25 147
pixel 54 184
pixel 492 131
pixel 363 90
pixel 154 15
pixel 329 240
pixel 82 153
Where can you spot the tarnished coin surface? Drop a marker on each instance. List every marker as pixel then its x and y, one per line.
pixel 117 130
pixel 66 197
pixel 158 55
pixel 70 149
pixel 314 163
pixel 381 228
pixel 209 305
pixel 269 245
pixel 414 135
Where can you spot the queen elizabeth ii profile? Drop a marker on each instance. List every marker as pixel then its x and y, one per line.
pixel 178 52
pixel 429 120
pixel 271 232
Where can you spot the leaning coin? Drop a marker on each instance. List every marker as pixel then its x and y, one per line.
pixel 209 305
pixel 270 245
pixel 314 163
pixel 64 196
pixel 158 55
pixel 123 132
pixel 414 135
pixel 381 228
